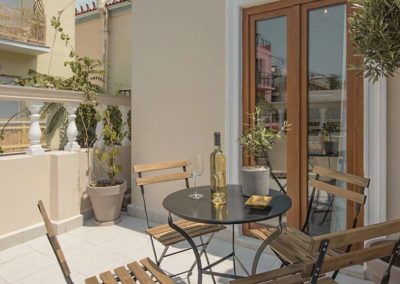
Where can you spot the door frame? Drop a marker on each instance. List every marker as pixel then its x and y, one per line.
pixel 298 147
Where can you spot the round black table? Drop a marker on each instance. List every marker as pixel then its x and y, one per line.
pixel 233 212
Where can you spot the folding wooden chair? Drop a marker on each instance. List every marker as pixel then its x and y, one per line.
pixel 284 244
pixel 319 262
pixel 164 234
pixel 144 272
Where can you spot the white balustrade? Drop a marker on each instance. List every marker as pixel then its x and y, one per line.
pixel 72 131
pixel 35 133
pixel 125 126
pixel 35 98
pixel 281 116
pixel 322 116
pixel 99 129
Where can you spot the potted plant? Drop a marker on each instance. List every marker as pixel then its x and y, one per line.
pixel 328 146
pixel 258 140
pixel 374 29
pixel 106 194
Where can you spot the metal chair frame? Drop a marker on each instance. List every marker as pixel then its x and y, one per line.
pixel 203 244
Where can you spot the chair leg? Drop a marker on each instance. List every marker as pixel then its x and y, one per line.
pixel 203 250
pixel 154 251
pixel 162 255
pixel 262 247
pixel 395 254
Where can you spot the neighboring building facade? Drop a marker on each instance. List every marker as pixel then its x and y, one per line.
pixel 48 56
pixel 28 41
pixel 89 31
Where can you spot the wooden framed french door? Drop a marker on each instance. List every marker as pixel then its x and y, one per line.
pixel 295 58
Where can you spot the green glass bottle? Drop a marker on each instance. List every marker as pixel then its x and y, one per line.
pixel 218 172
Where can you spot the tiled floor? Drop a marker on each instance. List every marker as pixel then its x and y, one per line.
pixel 91 250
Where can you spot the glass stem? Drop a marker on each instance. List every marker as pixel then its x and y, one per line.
pixel 195 185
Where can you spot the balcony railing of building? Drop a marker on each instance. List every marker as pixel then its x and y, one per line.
pixel 262 42
pixel 22 25
pixel 34 99
pixel 264 80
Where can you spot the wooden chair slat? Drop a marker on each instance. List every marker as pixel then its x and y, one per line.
pixel 342 239
pixel 339 191
pixel 123 275
pixel 160 166
pixel 162 178
pixel 165 228
pixel 357 257
pixel 188 229
pixel 353 179
pixel 194 233
pixel 156 271
pixel 271 275
pixel 108 278
pixel 139 273
pixel 92 280
pixel 46 219
pixel 51 235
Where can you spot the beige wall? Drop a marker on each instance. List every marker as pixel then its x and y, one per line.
pixel 16 64
pixel 178 83
pixel 89 36
pixel 58 178
pixel 393 147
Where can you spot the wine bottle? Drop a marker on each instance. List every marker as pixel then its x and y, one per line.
pixel 218 172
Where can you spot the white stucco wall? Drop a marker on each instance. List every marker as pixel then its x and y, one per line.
pixel 393 147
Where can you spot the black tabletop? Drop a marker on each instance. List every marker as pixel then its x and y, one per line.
pixel 233 212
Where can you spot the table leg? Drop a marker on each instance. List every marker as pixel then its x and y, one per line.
pixel 264 244
pixel 192 244
pixel 233 250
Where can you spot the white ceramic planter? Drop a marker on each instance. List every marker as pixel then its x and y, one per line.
pixel 255 181
pixel 377 267
pixel 107 202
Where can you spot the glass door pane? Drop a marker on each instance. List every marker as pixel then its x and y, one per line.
pixel 327 110
pixel 271 88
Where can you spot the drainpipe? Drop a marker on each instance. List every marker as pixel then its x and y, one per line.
pixel 104 14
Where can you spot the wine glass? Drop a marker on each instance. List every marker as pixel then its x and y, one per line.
pixel 196 170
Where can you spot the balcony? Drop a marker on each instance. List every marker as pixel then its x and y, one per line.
pixel 22 31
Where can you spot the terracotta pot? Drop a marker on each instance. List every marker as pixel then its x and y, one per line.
pixel 107 202
pixel 255 181
pixel 377 267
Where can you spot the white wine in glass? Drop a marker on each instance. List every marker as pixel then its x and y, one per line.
pixel 196 170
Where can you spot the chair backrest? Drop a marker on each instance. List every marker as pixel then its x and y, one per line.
pixel 156 177
pixel 357 196
pixel 51 235
pixel 320 245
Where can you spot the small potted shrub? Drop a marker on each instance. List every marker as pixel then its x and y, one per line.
pixel 328 146
pixel 106 194
pixel 258 140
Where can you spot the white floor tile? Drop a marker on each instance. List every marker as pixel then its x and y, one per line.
pixel 52 275
pixel 14 252
pixel 90 250
pixel 96 260
pixel 97 235
pixel 24 266
pixel 127 244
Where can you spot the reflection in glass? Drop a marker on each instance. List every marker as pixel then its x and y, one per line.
pixel 271 93
pixel 327 110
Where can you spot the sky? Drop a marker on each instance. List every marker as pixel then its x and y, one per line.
pixel 83 2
